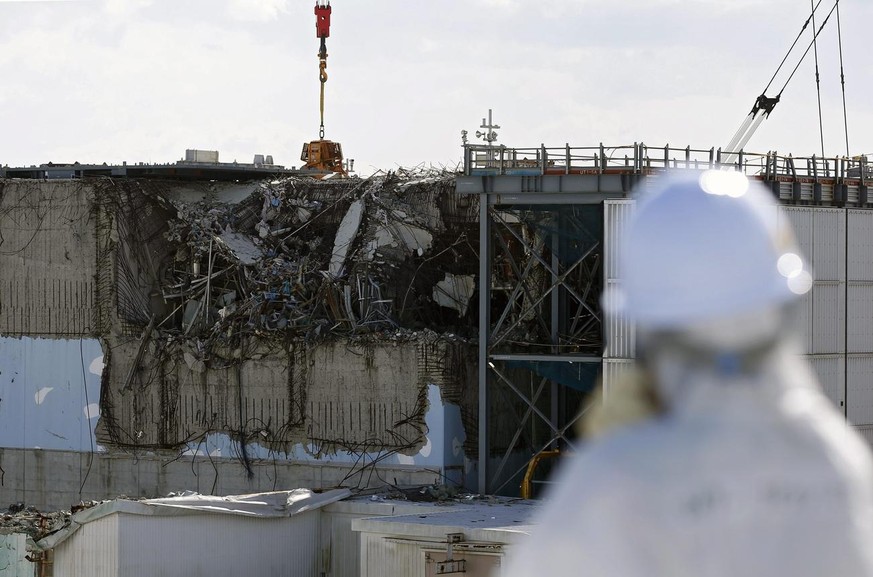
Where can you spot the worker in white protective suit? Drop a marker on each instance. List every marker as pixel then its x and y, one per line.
pixel 742 466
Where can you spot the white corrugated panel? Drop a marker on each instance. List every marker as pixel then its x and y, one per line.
pixel 860 318
pixel 615 371
pixel 224 545
pixel 866 431
pixel 829 251
pixel 122 544
pixel 860 257
pixel 860 389
pixel 343 543
pixel 385 557
pixel 803 321
pixel 801 220
pixel 828 318
pixel 93 553
pixel 831 371
pixel 620 333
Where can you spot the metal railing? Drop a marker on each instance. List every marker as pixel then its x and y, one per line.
pixel 640 158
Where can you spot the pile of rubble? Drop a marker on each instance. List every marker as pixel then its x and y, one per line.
pixel 306 258
pixel 19 518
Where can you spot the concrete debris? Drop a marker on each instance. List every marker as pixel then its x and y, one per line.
pixel 300 320
pixel 455 291
pixel 345 236
pixel 313 258
pixel 19 518
pixel 241 247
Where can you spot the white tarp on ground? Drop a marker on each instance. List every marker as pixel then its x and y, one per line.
pixel 265 505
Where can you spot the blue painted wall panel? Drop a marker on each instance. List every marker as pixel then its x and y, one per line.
pixel 49 393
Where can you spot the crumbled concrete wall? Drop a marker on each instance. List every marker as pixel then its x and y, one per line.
pixel 363 395
pixel 222 319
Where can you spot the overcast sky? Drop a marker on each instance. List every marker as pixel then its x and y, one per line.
pixel 142 80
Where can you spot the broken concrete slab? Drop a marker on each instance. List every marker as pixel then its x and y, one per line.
pixel 345 236
pixel 455 292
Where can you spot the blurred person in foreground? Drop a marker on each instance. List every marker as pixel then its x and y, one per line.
pixel 721 456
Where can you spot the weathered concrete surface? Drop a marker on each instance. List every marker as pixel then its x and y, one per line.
pixel 47 258
pixel 339 396
pixel 53 480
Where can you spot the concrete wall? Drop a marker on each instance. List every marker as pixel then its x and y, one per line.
pixel 53 480
pixel 47 258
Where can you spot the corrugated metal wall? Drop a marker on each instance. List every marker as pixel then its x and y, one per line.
pixel 620 336
pixel 836 316
pixel 614 372
pixel 91 552
pixel 383 557
pixel 219 545
pixel 203 544
pixel 340 545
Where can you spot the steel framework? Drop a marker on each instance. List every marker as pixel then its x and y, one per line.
pixel 541 235
pixel 540 336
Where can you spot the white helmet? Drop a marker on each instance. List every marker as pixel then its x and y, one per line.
pixel 706 246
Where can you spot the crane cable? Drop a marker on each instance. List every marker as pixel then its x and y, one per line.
pixel 818 85
pixel 842 78
pixel 805 52
pixel 793 44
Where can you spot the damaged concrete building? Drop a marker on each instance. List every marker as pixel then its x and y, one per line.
pixel 229 337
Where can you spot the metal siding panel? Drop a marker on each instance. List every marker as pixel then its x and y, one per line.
pixel 614 371
pixel 801 220
pixel 860 249
pixel 804 322
pixel 383 558
pixel 860 318
pixel 829 247
pixel 225 545
pixel 866 431
pixel 344 544
pixel 828 324
pixel 620 333
pixel 91 552
pixel 860 389
pixel 831 371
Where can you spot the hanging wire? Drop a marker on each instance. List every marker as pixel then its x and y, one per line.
pixel 842 78
pixel 793 44
pixel 818 82
pixel 805 52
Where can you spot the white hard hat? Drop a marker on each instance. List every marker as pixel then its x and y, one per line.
pixel 706 246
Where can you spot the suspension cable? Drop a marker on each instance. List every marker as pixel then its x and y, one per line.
pixel 842 78
pixel 793 44
pixel 818 83
pixel 805 52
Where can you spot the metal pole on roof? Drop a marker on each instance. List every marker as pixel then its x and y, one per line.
pixel 484 331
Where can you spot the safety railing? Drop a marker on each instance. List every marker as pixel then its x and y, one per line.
pixel 640 158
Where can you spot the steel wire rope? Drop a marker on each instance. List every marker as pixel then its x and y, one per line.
pixel 793 44
pixel 818 84
pixel 842 77
pixel 805 52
